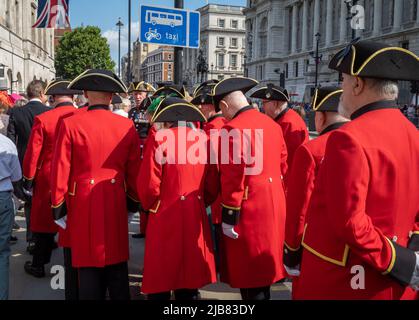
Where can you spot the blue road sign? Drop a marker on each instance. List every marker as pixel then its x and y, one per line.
pixel 169 26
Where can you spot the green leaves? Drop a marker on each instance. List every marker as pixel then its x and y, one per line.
pixel 81 49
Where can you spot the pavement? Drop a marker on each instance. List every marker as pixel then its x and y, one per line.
pixel 25 287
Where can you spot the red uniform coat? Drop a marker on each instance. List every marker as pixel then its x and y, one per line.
pixel 179 249
pixel 294 130
pixel 96 162
pixel 64 234
pixel 302 176
pixel 37 166
pixel 362 208
pixel 255 258
pixel 215 123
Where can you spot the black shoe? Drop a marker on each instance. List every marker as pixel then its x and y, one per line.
pixel 30 248
pixel 138 236
pixel 37 272
pixel 13 240
pixel 16 226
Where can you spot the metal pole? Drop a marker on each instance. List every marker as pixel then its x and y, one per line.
pixel 178 53
pixel 129 77
pixel 119 25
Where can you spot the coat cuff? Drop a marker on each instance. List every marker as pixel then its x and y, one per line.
pixel 230 215
pixel 414 241
pixel 402 265
pixel 292 257
pixel 59 211
pixel 132 205
pixel 27 184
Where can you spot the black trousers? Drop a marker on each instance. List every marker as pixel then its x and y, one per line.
pixel 44 243
pixel 95 282
pixel 27 209
pixel 263 293
pixel 71 277
pixel 180 295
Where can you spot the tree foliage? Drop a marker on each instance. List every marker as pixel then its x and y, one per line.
pixel 81 49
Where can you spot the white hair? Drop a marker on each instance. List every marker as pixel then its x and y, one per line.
pixel 387 89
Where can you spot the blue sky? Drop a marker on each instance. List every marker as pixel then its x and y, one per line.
pixel 105 14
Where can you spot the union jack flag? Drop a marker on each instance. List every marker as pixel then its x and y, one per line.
pixel 52 14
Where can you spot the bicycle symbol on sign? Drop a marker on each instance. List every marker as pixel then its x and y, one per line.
pixel 152 34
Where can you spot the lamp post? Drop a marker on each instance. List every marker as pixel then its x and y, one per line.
pixel 129 43
pixel 317 59
pixel 119 25
pixel 178 52
pixel 349 5
pixel 212 71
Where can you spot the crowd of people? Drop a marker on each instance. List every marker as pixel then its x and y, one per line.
pixel 226 192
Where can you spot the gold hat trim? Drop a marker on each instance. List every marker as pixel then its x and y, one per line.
pixel 174 105
pixel 315 108
pixel 84 75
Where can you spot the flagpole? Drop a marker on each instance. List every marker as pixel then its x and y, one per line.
pixel 129 76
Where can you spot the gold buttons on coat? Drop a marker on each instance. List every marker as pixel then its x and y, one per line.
pixel 230 212
pixel 270 180
pixel 182 198
pixel 92 181
pixel 113 181
pixel 395 238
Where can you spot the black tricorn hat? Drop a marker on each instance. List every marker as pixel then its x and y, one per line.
pixel 59 88
pixel 326 99
pixel 212 82
pixel 141 86
pixel 271 92
pixel 227 86
pixel 175 109
pixel 369 59
pixel 116 99
pixel 203 95
pixel 173 90
pixel 98 80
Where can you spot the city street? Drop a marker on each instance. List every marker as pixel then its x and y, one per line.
pixel 25 287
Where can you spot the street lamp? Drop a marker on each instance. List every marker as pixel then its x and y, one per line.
pixel 317 58
pixel 349 5
pixel 119 25
pixel 212 70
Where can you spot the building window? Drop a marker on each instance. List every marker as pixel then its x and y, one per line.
pixel 233 60
pixel 233 42
pixel 286 70
pixel 263 37
pixel 221 23
pixel 221 41
pixel 235 24
pixel 405 45
pixel 145 47
pixel 221 60
pixel 169 66
pixel 296 69
pixel 388 13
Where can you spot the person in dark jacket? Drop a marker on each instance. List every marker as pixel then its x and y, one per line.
pixel 19 130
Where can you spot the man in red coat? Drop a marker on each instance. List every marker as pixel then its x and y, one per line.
pixel 215 122
pixel 361 229
pixel 252 193
pixel 94 173
pixel 293 126
pixel 36 170
pixel 175 188
pixel 305 167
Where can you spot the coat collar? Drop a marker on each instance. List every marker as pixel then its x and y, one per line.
pixel 379 105
pixel 243 110
pixel 64 104
pixel 214 117
pixel 98 107
pixel 279 116
pixel 332 127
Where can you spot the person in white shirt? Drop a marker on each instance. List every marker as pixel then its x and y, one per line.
pixel 122 108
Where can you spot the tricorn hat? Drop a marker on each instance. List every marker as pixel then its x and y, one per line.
pixel 326 99
pixel 203 94
pixel 173 90
pixel 369 59
pixel 212 82
pixel 175 109
pixel 271 92
pixel 60 88
pixel 227 86
pixel 141 86
pixel 98 80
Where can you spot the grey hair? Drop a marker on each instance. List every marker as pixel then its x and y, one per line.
pixel 385 88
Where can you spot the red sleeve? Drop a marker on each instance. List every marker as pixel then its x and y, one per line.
pixel 133 166
pixel 149 179
pixel 232 172
pixel 61 166
pixel 347 175
pixel 300 187
pixel 32 160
